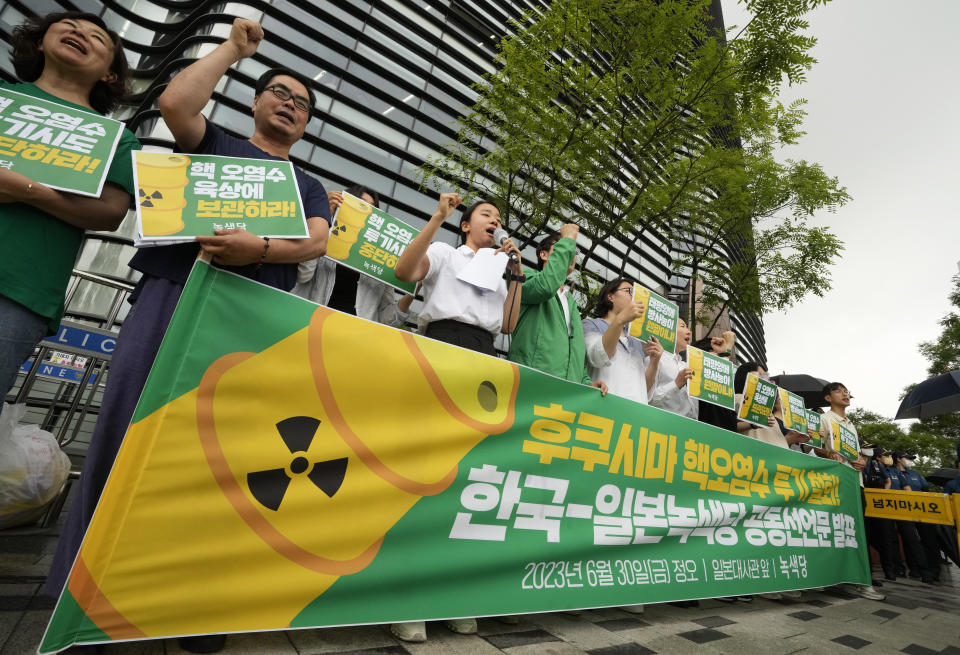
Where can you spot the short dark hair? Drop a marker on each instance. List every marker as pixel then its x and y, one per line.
pixel 465 218
pixel 546 243
pixel 740 377
pixel 833 386
pixel 264 81
pixel 604 305
pixel 358 190
pixel 28 61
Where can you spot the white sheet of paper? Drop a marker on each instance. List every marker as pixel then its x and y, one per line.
pixel 485 270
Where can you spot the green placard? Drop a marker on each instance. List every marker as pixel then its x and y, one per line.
pixel 794 413
pixel 759 396
pixel 845 441
pixel 475 486
pixel 660 317
pixel 813 426
pixel 712 379
pixel 61 147
pixel 181 196
pixel 369 240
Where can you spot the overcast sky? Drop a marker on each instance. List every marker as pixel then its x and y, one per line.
pixel 883 116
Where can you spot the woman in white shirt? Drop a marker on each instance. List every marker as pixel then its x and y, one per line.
pixel 627 365
pixel 456 311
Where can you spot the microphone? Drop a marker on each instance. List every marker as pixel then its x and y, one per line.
pixel 499 236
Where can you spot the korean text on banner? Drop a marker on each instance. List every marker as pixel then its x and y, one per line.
pixel 477 486
pixel 794 413
pixel 59 146
pixel 369 241
pixel 844 441
pixel 899 505
pixel 184 196
pixel 712 379
pixel 813 428
pixel 759 396
pixel 660 319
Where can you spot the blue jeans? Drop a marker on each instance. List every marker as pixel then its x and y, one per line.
pixel 20 332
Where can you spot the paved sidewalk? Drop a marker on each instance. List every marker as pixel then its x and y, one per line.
pixel 915 619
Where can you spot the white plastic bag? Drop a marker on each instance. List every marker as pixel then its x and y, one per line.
pixel 33 469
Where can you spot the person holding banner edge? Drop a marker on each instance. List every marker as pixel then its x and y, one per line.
pixel 281 108
pixel 72 59
pixel 549 332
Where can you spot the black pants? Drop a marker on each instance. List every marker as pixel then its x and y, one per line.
pixel 916 558
pixel 931 548
pixel 882 535
pixel 464 335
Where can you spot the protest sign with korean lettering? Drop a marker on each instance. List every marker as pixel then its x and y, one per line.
pixel 369 240
pixel 813 425
pixel 794 413
pixel 921 506
pixel 290 466
pixel 759 396
pixel 62 147
pixel 660 319
pixel 844 440
pixel 183 196
pixel 712 379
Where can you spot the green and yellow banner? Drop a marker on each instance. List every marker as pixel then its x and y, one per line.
pixel 794 413
pixel 183 196
pixel 289 466
pixel 62 147
pixel 813 429
pixel 712 379
pixel 660 319
pixel 370 241
pixel 844 440
pixel 759 397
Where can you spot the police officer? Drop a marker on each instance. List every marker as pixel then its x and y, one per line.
pixel 881 533
pixel 913 481
pixel 912 548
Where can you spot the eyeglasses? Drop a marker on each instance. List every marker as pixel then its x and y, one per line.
pixel 283 93
pixel 630 289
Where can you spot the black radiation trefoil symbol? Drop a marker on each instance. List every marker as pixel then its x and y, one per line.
pixel 145 202
pixel 297 432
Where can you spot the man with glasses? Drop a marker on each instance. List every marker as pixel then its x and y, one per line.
pixel 281 108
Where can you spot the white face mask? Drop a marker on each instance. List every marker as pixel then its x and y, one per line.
pixel 867 452
pixel 908 463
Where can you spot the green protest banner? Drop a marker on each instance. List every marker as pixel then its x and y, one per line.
pixel 369 241
pixel 660 319
pixel 289 466
pixel 183 196
pixel 712 379
pixel 845 441
pixel 61 147
pixel 813 425
pixel 759 396
pixel 794 413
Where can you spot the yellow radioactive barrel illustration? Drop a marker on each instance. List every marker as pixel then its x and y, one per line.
pixel 280 472
pixel 351 218
pixel 162 178
pixel 695 361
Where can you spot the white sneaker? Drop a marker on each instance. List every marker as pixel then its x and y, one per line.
pixel 463 626
pixel 632 609
pixel 864 591
pixel 795 595
pixel 414 631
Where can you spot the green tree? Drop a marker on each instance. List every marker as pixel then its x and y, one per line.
pixel 932 451
pixel 639 121
pixel 943 353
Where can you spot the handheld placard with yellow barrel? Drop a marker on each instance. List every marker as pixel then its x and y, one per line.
pixel 640 294
pixel 351 218
pixel 162 182
pixel 305 479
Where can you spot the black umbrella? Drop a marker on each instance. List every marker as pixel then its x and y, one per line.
pixel 933 397
pixel 806 386
pixel 941 476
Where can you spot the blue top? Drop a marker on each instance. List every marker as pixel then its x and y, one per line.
pixel 915 480
pixel 175 261
pixel 896 481
pixel 952 486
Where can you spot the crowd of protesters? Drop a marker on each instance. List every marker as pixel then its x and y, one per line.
pixel 72 58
